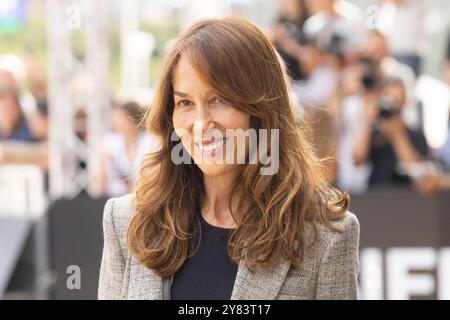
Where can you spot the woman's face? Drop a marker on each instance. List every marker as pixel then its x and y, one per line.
pixel 204 121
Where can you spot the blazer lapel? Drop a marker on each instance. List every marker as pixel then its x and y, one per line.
pixel 262 284
pixel 144 284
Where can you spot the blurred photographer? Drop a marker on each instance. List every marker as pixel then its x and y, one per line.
pixel 358 85
pixel 287 34
pixel 385 141
pixel 440 181
pixel 402 21
pixel 444 153
pixel 377 48
pixel 338 27
pixel 122 151
pixel 13 124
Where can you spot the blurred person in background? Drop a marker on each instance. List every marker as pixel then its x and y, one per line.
pixel 17 138
pixel 444 153
pixel 287 34
pixel 447 62
pixel 38 121
pixel 385 141
pixel 376 48
pixel 330 38
pixel 23 121
pixel 337 25
pixel 318 44
pixel 13 125
pixel 402 21
pixel 358 86
pixel 123 150
pixel 36 99
pixel 313 94
pixel 19 76
pixel 320 76
pixel 36 78
pixel 440 181
pixel 437 180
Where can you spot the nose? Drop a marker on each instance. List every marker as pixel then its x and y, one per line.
pixel 203 119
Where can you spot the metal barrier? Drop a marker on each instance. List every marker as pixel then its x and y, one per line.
pixel 24 241
pixel 22 191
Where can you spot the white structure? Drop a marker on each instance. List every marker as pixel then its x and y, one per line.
pixel 22 191
pixel 76 88
pixel 135 52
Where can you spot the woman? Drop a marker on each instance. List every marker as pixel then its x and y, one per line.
pixel 211 229
pixel 288 34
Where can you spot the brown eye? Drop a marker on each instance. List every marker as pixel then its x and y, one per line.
pixel 184 103
pixel 217 100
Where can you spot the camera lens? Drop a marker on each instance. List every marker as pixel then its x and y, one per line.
pixel 368 82
pixel 387 107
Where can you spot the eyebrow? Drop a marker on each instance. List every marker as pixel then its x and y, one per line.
pixel 185 95
pixel 181 94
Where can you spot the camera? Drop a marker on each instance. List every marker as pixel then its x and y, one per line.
pixel 387 108
pixel 336 45
pixel 293 31
pixel 369 82
pixel 371 79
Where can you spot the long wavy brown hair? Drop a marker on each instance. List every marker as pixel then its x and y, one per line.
pixel 240 64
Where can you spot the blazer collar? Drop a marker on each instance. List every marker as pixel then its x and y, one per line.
pixel 262 284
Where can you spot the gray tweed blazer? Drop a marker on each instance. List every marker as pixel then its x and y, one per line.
pixel 329 272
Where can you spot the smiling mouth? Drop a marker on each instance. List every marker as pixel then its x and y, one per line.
pixel 212 148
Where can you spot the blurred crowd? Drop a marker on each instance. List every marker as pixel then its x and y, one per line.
pixel 23 112
pixel 353 83
pixel 354 80
pixel 24 129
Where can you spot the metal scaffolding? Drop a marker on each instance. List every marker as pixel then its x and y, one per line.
pixel 79 97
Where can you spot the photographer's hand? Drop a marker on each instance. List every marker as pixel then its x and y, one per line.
pixel 395 131
pixel 362 147
pixel 429 185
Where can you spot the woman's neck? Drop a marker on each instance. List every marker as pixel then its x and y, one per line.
pixel 216 203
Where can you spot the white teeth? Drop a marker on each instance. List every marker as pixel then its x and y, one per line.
pixel 210 147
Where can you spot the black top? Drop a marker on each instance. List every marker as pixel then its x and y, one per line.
pixel 383 157
pixel 209 274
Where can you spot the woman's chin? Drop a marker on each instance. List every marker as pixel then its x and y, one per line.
pixel 216 169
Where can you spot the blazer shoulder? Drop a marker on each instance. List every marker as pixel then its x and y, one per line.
pixel 119 210
pixel 349 230
pixel 349 225
pixel 116 218
pixel 339 264
pixel 348 222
